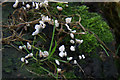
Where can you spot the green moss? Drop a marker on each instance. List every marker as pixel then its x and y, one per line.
pixel 91 21
pixel 89 44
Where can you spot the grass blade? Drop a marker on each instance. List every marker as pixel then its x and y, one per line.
pixel 104 50
pixel 52 37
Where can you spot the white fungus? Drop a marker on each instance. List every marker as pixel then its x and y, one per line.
pixel 80 57
pixel 59 8
pixel 79 41
pixel 72 41
pixel 72 35
pixel 41 4
pixel 24 7
pixel 74 31
pixel 36 32
pixel 27 56
pixel 37 6
pixel 45 54
pixel 20 47
pixel 74 62
pixel 29 46
pixel 26 61
pixel 28 6
pixel 62 48
pixel 68 27
pixel 22 59
pixel 45 2
pixel 65 54
pixel 56 23
pixel 83 56
pixel 61 54
pixel 38 27
pixel 23 3
pixel 40 53
pixel 72 48
pixel 59 70
pixel 42 25
pixel 33 4
pixel 83 32
pixel 69 58
pixel 68 20
pixel 31 54
pixel 66 5
pixel 57 62
pixel 16 4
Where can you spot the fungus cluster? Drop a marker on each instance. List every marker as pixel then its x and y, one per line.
pixel 41 25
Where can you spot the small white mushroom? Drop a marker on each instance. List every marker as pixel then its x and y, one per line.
pixel 20 47
pixel 57 62
pixel 29 46
pixel 28 25
pixel 28 6
pixel 62 48
pixel 31 54
pixel 80 57
pixel 37 6
pixel 72 48
pixel 16 4
pixel 26 61
pixel 41 4
pixel 27 56
pixel 69 58
pixel 46 2
pixel 42 25
pixel 45 54
pixel 37 26
pixel 72 35
pixel 74 62
pixel 74 31
pixel 68 27
pixel 24 7
pixel 61 54
pixel 66 5
pixel 22 59
pixel 83 56
pixel 59 70
pixel 56 23
pixel 68 20
pixel 36 32
pixel 23 3
pixel 65 54
pixel 40 53
pixel 59 8
pixel 33 4
pixel 72 41
pixel 79 41
pixel 83 32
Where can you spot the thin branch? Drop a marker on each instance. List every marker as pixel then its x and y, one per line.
pixel 81 69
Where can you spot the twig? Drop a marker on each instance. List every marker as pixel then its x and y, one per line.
pixel 17 48
pixel 81 69
pixel 33 72
pixel 82 27
pixel 114 55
